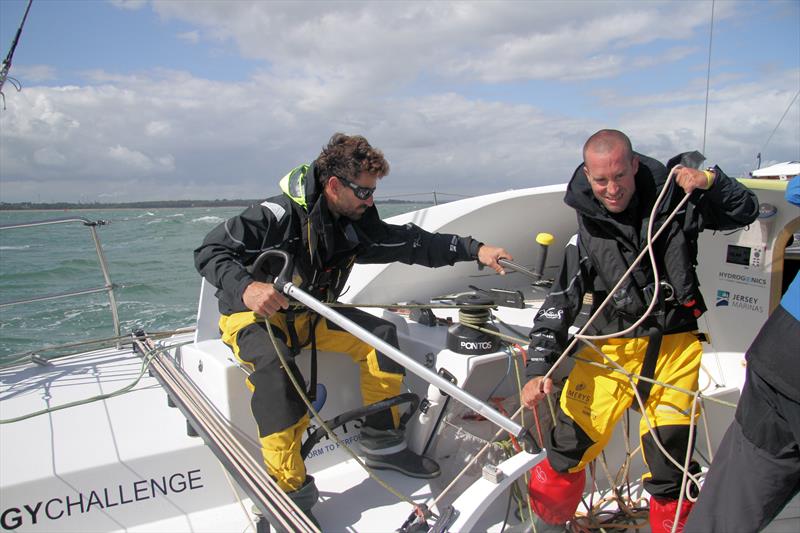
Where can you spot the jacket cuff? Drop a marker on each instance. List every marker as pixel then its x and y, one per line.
pixel 717 190
pixel 472 247
pixel 243 284
pixel 536 368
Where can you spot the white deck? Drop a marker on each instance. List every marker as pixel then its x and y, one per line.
pixel 126 463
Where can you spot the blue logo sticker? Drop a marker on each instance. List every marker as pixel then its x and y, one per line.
pixel 723 298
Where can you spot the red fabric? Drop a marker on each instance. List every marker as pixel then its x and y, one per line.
pixel 555 496
pixel 662 514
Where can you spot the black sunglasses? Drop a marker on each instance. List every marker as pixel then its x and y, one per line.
pixel 362 193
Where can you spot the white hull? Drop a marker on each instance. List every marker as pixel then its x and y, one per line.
pixel 127 464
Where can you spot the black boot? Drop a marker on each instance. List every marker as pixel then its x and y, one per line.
pixel 305 497
pixel 386 449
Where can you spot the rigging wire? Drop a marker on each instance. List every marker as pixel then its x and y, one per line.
pixel 7 61
pixel 708 77
pixel 779 122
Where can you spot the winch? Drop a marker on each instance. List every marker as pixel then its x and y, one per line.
pixel 463 339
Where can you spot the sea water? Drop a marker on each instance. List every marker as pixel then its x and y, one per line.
pixel 150 260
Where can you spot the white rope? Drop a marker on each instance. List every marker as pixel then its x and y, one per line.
pixel 581 336
pixel 238 498
pixel 648 250
pixel 650 427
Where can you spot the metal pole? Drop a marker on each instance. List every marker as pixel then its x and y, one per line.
pixel 420 370
pixel 109 286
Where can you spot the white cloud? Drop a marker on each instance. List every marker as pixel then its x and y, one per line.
pixel 49 157
pixel 158 128
pixel 132 158
pixel 385 44
pixel 347 67
pixel 174 134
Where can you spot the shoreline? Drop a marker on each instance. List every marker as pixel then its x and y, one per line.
pixel 192 204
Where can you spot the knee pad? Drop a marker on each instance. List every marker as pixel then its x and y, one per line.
pixel 554 495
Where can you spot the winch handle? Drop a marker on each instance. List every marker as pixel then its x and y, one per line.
pixel 284 276
pixel 544 240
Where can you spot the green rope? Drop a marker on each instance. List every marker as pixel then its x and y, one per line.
pixel 146 359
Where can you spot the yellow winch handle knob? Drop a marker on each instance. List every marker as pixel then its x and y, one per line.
pixel 545 239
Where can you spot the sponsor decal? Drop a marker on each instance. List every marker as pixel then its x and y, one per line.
pixel 739 301
pixel 476 345
pixel 743 279
pixel 723 298
pixel 577 395
pixel 322 449
pixel 342 431
pixel 552 313
pixel 97 499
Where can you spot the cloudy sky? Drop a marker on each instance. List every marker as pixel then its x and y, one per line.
pixel 177 99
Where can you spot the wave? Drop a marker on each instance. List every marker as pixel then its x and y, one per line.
pixel 209 219
pixel 24 247
pixel 169 220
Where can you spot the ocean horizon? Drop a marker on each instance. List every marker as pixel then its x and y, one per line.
pixel 149 253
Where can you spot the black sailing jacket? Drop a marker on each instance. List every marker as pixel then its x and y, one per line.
pixel 323 247
pixel 607 244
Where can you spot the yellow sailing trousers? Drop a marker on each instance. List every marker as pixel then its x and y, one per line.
pixel 595 397
pixel 280 413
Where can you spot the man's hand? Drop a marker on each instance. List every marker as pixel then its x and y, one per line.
pixel 535 390
pixel 264 299
pixel 489 255
pixel 690 179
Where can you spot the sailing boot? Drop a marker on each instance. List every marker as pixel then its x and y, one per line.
pixel 305 497
pixel 554 496
pixel 662 514
pixel 386 449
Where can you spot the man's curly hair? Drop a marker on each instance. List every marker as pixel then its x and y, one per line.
pixel 347 156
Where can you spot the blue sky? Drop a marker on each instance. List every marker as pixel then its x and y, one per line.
pixel 132 100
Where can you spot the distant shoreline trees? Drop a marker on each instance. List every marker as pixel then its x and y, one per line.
pixel 60 206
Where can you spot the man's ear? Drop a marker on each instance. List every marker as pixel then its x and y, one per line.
pixel 328 189
pixel 635 164
pixel 332 185
pixel 586 172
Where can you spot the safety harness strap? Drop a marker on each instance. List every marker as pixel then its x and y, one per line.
pixel 649 365
pixel 296 346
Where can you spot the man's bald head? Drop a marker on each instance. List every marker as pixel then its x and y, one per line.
pixel 611 167
pixel 605 141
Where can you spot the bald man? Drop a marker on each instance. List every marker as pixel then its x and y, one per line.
pixel 613 193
